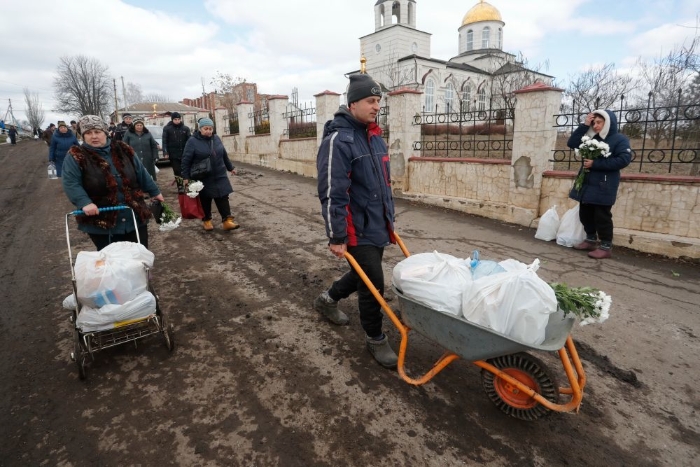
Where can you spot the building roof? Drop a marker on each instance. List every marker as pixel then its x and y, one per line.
pixel 161 107
pixel 482 11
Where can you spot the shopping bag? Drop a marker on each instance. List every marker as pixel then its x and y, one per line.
pixel 190 208
pixel 570 231
pixel 548 226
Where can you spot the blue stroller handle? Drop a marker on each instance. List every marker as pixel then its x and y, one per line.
pixel 80 212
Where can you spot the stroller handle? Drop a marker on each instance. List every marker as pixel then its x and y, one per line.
pixel 80 212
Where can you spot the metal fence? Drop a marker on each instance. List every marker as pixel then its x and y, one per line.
pixel 260 119
pixel 383 121
pixel 231 126
pixel 301 121
pixel 664 139
pixel 483 134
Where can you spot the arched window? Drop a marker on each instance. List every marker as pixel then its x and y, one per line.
pixel 470 40
pixel 482 99
pixel 485 37
pixel 430 96
pixel 500 38
pixel 449 98
pixel 467 99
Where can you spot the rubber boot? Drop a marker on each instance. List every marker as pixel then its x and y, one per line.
pixel 382 351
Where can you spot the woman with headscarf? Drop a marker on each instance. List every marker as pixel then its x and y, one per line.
pixel 61 142
pixel 205 144
pixel 144 145
pixel 102 172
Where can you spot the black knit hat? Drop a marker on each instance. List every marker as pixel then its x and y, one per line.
pixel 126 115
pixel 362 86
pixel 175 115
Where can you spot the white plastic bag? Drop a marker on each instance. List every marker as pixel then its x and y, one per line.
pixel 434 279
pixel 114 275
pixel 548 226
pixel 571 231
pixel 99 319
pixel 516 303
pixel 69 302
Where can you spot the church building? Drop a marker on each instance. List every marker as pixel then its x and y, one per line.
pixel 398 55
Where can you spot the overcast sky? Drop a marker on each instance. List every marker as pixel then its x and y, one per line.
pixel 168 46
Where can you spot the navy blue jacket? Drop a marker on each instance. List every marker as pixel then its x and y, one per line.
pixel 601 183
pixel 60 144
pixel 198 148
pixel 354 183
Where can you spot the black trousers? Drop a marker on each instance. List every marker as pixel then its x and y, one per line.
pixel 102 241
pixel 222 205
pixel 597 220
pixel 370 260
pixel 176 164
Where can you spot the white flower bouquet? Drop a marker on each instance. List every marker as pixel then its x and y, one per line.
pixel 586 303
pixel 590 149
pixel 168 220
pixel 193 189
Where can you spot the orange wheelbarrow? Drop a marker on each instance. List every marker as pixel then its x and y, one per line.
pixel 518 383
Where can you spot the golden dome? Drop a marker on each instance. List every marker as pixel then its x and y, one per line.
pixel 482 11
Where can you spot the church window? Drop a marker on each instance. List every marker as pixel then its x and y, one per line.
pixel 449 98
pixel 500 38
pixel 485 37
pixel 467 99
pixel 430 96
pixel 482 99
pixel 470 40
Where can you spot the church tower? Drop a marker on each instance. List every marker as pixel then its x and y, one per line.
pixel 481 30
pixel 395 36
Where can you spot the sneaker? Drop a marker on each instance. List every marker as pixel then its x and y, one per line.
pixel 207 225
pixel 600 253
pixel 229 224
pixel 382 352
pixel 329 308
pixel 586 245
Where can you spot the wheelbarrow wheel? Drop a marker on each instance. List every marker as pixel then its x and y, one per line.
pixel 531 372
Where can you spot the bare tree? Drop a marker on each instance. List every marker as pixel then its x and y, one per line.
pixel 230 90
pixel 134 94
pixel 393 74
pixel 82 86
pixel 598 87
pixel 515 73
pixel 34 111
pixel 155 97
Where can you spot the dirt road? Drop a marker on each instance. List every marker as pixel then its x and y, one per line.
pixel 259 379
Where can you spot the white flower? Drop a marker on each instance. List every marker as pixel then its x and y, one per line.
pixel 193 189
pixel 602 307
pixel 168 226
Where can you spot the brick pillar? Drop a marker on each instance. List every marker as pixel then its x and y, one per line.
pixel 327 104
pixel 276 107
pixel 534 138
pixel 220 122
pixel 403 104
pixel 244 123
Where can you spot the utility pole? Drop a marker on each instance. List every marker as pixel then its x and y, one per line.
pixel 126 104
pixel 116 102
pixel 204 95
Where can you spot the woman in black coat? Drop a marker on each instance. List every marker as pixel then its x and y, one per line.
pixel 205 144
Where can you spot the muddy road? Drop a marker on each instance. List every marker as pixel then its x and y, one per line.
pixel 258 378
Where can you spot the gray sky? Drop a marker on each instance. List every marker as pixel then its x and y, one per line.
pixel 168 46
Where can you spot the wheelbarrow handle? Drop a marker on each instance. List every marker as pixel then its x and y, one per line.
pixel 80 212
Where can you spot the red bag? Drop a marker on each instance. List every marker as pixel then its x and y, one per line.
pixel 190 208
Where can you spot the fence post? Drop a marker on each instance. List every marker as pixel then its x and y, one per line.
pixel 243 109
pixel 534 138
pixel 403 104
pixel 327 104
pixel 220 122
pixel 276 107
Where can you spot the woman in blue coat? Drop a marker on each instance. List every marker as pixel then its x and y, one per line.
pixel 602 179
pixel 61 142
pixel 205 144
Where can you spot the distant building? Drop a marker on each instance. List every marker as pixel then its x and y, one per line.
pixel 398 55
pixel 158 113
pixel 243 92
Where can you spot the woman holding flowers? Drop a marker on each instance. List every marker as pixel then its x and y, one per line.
pixel 203 145
pixel 604 152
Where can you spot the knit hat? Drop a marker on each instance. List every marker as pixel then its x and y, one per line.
pixel 175 115
pixel 138 119
pixel 62 123
pixel 126 116
pixel 362 86
pixel 72 122
pixel 92 122
pixel 205 122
